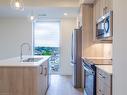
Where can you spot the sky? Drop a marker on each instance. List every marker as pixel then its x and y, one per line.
pixel 46 34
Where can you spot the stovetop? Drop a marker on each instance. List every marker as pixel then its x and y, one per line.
pixel 91 63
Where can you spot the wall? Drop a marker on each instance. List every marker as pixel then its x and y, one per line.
pixel 107 51
pixel 67 25
pixel 13 32
pixel 120 47
pixel 99 50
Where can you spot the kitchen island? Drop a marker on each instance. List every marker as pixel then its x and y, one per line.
pixel 24 78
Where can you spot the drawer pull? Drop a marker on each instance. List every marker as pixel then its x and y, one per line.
pixel 45 71
pixel 41 70
pixel 102 76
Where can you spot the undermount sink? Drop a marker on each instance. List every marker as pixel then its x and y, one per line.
pixel 32 60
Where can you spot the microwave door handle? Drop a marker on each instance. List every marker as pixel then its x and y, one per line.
pixel 104 26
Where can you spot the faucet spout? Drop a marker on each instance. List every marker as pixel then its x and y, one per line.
pixel 21 47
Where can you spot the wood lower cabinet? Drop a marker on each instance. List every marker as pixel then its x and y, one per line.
pixel 45 78
pixel 24 80
pixel 104 83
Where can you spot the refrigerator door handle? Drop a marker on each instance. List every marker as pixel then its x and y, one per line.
pixel 72 62
pixel 72 47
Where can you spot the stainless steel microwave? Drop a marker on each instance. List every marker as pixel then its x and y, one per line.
pixel 104 27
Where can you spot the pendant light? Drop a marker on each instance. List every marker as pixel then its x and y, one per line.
pixel 17 4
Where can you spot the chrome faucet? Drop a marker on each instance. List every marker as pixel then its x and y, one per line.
pixel 21 47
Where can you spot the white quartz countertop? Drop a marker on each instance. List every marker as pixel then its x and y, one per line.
pixel 16 62
pixel 95 57
pixel 105 68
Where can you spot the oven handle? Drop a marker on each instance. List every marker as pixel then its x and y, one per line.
pixel 91 72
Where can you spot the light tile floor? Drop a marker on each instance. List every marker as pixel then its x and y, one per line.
pixel 62 85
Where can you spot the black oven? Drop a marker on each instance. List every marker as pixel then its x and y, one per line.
pixel 89 66
pixel 104 27
pixel 89 79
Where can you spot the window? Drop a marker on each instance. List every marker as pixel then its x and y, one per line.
pixel 46 42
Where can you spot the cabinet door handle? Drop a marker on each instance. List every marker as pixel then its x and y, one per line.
pixel 45 71
pixel 41 70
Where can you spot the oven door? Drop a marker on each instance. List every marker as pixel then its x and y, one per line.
pixel 89 81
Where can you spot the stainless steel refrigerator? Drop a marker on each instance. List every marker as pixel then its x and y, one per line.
pixel 76 54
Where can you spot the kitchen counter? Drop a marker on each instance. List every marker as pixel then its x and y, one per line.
pixel 96 58
pixel 24 78
pixel 15 62
pixel 98 61
pixel 101 63
pixel 105 68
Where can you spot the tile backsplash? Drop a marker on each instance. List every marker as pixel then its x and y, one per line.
pixel 99 50
pixel 108 51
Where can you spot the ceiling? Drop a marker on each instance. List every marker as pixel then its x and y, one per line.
pixel 42 8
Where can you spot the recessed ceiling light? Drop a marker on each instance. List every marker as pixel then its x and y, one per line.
pixel 65 14
pixel 32 18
